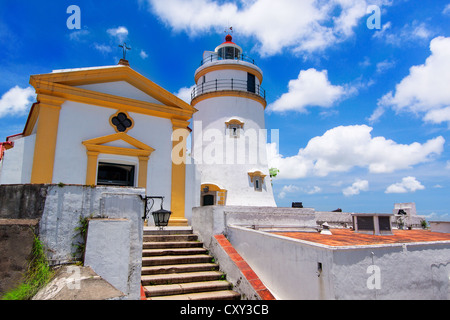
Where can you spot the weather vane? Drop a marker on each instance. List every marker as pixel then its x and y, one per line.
pixel 124 48
pixel 229 30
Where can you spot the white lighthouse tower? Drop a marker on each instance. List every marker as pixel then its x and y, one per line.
pixel 229 135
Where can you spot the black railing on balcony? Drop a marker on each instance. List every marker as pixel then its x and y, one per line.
pixel 226 85
pixel 215 57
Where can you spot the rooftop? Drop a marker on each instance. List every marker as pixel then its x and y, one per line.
pixel 347 237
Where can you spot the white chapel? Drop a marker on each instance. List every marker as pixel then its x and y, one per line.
pixel 112 126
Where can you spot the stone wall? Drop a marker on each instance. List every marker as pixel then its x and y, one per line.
pixel 56 211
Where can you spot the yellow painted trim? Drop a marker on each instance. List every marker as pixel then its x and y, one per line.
pixel 46 136
pixel 91 171
pixel 115 115
pixel 32 119
pixel 143 169
pixel 257 174
pixel 234 121
pixel 229 93
pixel 112 74
pixel 112 101
pixel 219 67
pixel 221 193
pixel 95 146
pixel 178 192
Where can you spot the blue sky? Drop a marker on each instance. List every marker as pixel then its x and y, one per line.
pixel 363 113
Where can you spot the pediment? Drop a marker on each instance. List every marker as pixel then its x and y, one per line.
pixel 107 80
pixel 118 143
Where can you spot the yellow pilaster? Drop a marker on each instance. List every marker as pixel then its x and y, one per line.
pixel 91 171
pixel 143 166
pixel 179 137
pixel 46 135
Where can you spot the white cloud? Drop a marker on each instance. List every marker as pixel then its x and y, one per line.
pixel 102 48
pixel 384 31
pixel 185 93
pixel 314 190
pixel 409 33
pixel 120 32
pixel 287 189
pixel 408 184
pixel 302 26
pixel 143 54
pixel 356 188
pixel 78 34
pixel 438 115
pixel 426 89
pixel 447 9
pixel 385 65
pixel 17 101
pixel 311 88
pixel 345 147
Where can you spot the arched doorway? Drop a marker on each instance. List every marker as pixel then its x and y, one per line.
pixel 212 195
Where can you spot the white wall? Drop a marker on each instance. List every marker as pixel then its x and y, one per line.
pixel 288 267
pixel 18 161
pixel 219 156
pixel 79 122
pixel 411 271
pixel 64 206
pixel 120 88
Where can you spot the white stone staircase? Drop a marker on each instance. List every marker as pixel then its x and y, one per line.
pixel 175 266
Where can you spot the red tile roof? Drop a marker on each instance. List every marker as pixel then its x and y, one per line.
pixel 347 237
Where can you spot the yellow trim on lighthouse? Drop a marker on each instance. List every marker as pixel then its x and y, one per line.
pixel 231 66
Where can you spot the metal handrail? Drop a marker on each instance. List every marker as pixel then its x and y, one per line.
pixel 215 57
pixel 226 85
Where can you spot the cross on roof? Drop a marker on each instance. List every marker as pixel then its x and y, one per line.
pixel 124 48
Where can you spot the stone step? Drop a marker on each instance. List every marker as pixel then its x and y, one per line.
pixel 186 277
pixel 172 252
pixel 186 288
pixel 170 238
pixel 179 268
pixel 175 244
pixel 167 231
pixel 211 295
pixel 182 259
pixel 176 266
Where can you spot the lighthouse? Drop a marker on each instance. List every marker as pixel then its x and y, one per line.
pixel 229 136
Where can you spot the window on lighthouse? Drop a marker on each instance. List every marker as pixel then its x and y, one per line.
pixel 234 130
pixel 258 184
pixel 234 126
pixel 257 178
pixel 229 53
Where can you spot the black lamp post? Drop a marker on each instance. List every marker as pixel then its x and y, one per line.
pixel 161 216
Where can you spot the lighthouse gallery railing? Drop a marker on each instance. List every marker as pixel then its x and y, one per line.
pixel 227 85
